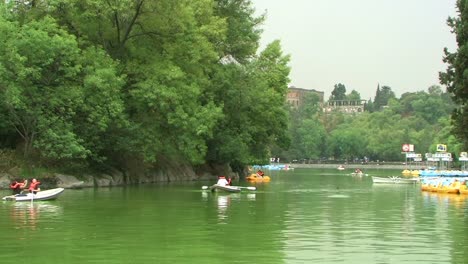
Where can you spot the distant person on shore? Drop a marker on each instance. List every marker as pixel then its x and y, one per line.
pixel 18 187
pixel 33 187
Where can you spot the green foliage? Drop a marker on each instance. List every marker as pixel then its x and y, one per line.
pixel 47 85
pixel 339 92
pixel 382 97
pixel 456 75
pixel 253 99
pixel 353 96
pixel 88 82
pixel 347 142
pixel 418 118
pixel 243 32
pixel 307 133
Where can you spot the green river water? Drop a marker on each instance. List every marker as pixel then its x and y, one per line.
pixel 301 216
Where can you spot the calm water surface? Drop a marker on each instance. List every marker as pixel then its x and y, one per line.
pixel 301 216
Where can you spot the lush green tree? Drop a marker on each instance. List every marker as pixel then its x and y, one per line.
pixel 308 135
pixel 456 75
pixel 48 83
pixel 268 118
pixel 347 142
pixel 339 92
pixel 382 97
pixel 243 31
pixel 353 96
pixel 443 135
pixel 313 138
pixel 369 106
pixel 332 120
pixel 167 51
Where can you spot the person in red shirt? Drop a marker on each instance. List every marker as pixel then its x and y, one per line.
pixel 33 186
pixel 17 186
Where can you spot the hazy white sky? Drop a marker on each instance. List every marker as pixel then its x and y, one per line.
pixel 360 43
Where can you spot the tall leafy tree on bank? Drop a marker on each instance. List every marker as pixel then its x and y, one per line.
pixel 253 97
pixel 166 50
pixel 47 83
pixel 190 82
pixel 242 29
pixel 456 75
pixel 250 88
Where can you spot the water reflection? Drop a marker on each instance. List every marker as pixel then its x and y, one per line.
pixel 223 202
pixel 445 199
pixel 251 196
pixel 27 215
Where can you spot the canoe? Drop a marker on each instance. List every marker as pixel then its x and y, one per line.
pixel 255 178
pixel 216 187
pixel 39 196
pixel 394 179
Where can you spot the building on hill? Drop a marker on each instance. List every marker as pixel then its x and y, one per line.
pixel 295 96
pixel 345 106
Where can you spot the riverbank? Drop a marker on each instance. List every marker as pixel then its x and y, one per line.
pixel 355 166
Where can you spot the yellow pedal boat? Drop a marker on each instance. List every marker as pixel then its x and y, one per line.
pixel 255 178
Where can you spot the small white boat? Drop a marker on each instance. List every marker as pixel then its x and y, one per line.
pixel 39 196
pixel 359 174
pixel 227 188
pixel 394 179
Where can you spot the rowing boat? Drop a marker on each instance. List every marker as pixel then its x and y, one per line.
pixel 228 188
pixel 225 188
pixel 394 179
pixel 39 196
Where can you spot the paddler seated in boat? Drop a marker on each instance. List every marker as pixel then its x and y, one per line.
pixel 358 171
pixel 17 186
pixel 222 181
pixel 33 187
pixel 260 173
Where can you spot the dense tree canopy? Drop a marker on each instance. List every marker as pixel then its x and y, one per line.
pixel 419 118
pixel 456 75
pixel 106 81
pixel 103 83
pixel 339 92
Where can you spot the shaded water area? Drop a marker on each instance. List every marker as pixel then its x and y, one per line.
pixel 301 216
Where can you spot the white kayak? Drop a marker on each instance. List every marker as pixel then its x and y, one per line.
pixel 39 196
pixel 227 188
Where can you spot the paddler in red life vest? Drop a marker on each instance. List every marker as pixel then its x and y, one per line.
pixel 222 181
pixel 33 186
pixel 17 186
pixel 260 173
